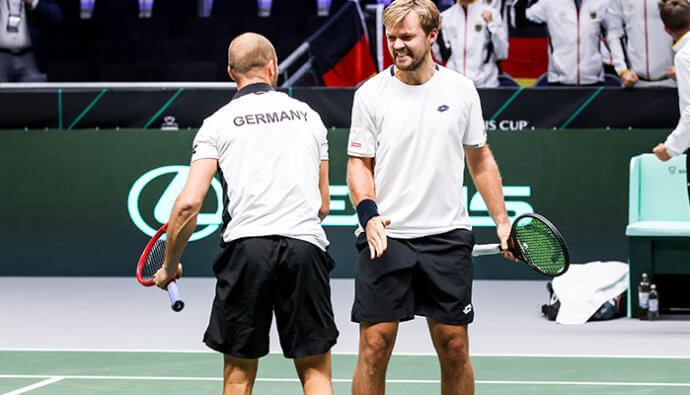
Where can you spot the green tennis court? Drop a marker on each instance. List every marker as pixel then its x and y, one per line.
pixel 93 372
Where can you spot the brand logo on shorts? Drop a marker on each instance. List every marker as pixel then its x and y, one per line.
pixel 467 309
pixel 672 170
pixel 356 145
pixel 443 108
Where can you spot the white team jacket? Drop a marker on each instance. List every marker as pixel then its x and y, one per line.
pixel 648 47
pixel 679 140
pixel 574 39
pixel 470 39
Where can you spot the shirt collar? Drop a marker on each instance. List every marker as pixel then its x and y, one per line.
pixel 683 41
pixel 253 88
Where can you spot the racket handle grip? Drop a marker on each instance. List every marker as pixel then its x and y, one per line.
pixel 176 302
pixel 486 249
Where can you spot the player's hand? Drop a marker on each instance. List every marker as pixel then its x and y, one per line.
pixel 671 73
pixel 163 276
pixel 376 236
pixel 661 153
pixel 629 78
pixel 503 233
pixel 486 14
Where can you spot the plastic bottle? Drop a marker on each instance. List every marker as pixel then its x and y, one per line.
pixel 643 297
pixel 653 313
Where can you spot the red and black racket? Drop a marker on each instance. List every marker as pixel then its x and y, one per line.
pixel 151 260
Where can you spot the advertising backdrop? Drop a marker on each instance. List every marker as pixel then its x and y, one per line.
pixel 84 202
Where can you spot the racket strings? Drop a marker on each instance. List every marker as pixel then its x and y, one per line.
pixel 540 246
pixel 154 260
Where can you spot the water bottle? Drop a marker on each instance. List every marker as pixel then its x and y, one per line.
pixel 643 297
pixel 653 313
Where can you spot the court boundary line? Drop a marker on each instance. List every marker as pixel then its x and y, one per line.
pixel 405 354
pixel 55 378
pixel 48 381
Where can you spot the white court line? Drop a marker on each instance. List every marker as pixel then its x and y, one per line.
pixel 406 354
pixel 295 380
pixel 34 386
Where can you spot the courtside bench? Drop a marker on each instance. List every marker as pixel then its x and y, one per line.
pixel 659 229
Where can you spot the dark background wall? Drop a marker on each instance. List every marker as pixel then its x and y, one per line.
pixel 65 194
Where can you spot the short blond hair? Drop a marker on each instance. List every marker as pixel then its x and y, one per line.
pixel 426 10
pixel 675 14
pixel 249 51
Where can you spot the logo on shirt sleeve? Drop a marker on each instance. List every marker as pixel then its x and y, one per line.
pixel 356 145
pixel 442 108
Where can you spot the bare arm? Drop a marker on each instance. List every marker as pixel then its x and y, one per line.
pixel 487 178
pixel 183 217
pixel 323 188
pixel 360 178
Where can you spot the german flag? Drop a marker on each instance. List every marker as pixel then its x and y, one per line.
pixel 340 51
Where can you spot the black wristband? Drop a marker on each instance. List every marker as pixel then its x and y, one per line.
pixel 366 210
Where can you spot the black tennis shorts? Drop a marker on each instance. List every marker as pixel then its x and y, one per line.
pixel 429 276
pixel 259 275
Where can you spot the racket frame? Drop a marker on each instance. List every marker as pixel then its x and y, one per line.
pixel 517 251
pixel 176 302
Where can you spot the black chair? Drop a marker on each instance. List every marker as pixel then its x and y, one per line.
pixel 185 72
pixel 174 13
pixel 68 71
pixel 177 50
pixel 116 18
pixel 124 72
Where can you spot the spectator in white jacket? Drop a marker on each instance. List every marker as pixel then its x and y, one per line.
pixel 642 54
pixel 676 17
pixel 473 39
pixel 575 31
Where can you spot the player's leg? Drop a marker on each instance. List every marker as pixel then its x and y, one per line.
pixel 239 375
pixel 383 297
pixel 304 314
pixel 452 346
pixel 314 372
pixel 443 290
pixel 376 341
pixel 242 310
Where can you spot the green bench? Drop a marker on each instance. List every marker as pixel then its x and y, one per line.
pixel 658 224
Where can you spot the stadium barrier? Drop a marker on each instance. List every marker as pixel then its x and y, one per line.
pixel 185 105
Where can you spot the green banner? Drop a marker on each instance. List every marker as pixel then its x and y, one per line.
pixel 85 202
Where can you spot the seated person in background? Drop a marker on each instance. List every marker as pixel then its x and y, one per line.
pixel 575 28
pixel 472 39
pixel 23 24
pixel 641 49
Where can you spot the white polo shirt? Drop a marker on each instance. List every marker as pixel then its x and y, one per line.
pixel 269 149
pixel 679 140
pixel 416 133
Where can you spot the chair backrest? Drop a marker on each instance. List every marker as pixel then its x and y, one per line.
pixel 658 190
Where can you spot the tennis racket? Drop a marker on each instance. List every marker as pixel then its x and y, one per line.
pixel 535 241
pixel 150 261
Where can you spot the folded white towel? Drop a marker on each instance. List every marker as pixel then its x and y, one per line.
pixel 585 287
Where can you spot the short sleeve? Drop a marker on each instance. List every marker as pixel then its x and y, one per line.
pixel 322 134
pixel 475 130
pixel 204 146
pixel 362 140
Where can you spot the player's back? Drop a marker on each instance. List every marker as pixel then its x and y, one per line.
pixel 269 150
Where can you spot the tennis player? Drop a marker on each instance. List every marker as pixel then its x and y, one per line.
pixel 412 127
pixel 272 154
pixel 676 17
